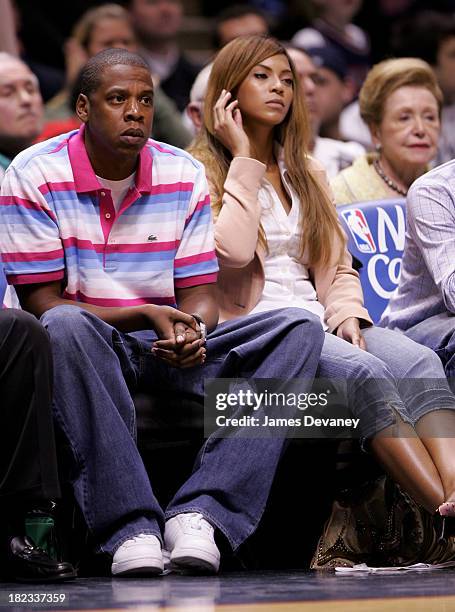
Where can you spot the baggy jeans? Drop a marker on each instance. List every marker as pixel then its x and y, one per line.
pixel 96 367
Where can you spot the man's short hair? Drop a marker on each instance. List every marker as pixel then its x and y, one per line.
pixel 235 11
pixel 330 58
pixel 92 72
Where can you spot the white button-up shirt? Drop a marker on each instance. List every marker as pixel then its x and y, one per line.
pixel 287 282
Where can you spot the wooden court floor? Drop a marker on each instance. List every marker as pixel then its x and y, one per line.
pixel 252 591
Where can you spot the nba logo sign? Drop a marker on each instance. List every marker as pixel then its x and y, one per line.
pixel 358 226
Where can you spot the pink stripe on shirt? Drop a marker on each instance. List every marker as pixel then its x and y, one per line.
pixel 111 302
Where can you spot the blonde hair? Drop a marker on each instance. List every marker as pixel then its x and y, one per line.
pixel 388 76
pixel 230 68
pixel 83 28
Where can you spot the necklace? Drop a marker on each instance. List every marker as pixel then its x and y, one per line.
pixel 387 180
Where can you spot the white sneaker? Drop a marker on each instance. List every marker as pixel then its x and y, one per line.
pixel 139 555
pixel 190 539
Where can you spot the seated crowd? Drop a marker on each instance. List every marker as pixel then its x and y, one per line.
pixel 140 266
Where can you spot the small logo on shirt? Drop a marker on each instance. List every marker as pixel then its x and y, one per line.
pixel 152 238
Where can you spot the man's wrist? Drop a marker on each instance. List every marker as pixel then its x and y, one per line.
pixel 201 323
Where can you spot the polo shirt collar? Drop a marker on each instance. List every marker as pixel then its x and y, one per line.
pixel 84 175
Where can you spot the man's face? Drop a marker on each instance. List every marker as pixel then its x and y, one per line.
pixel 157 19
pixel 21 106
pixel 308 73
pixel 109 33
pixel 445 69
pixel 119 113
pixel 341 10
pixel 241 26
pixel 331 95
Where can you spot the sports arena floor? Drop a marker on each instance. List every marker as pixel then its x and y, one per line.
pixel 253 591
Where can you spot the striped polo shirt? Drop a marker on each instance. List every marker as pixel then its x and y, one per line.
pixel 2 285
pixel 59 223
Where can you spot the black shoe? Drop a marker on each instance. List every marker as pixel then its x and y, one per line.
pixel 26 562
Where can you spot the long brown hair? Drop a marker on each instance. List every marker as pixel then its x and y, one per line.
pixel 230 68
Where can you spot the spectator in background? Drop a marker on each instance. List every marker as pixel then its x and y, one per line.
pixel 239 20
pixel 334 27
pixel 382 19
pixel 431 37
pixel 333 154
pixel 157 24
pixel 97 29
pixel 401 102
pixel 103 27
pixel 195 108
pixel 334 89
pixel 50 79
pixel 21 108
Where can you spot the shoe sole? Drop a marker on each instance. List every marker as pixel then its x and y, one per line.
pixel 61 578
pixel 139 566
pixel 191 559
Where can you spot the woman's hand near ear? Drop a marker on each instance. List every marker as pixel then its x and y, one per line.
pixel 228 126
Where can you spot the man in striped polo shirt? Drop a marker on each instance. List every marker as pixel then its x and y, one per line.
pixel 108 238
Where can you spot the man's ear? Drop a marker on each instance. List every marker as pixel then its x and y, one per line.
pixel 83 107
pixel 194 112
pixel 348 90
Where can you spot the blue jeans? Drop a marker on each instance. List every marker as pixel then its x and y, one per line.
pixel 438 333
pixel 404 378
pixel 97 368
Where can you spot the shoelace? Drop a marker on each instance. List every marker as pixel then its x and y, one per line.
pixel 197 522
pixel 144 537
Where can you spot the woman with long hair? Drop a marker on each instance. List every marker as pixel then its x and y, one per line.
pixel 279 243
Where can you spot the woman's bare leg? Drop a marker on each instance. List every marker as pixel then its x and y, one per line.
pixel 437 432
pixel 407 460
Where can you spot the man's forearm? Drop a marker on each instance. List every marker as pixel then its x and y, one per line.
pixel 39 298
pixel 125 319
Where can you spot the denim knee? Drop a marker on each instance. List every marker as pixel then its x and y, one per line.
pixel 293 315
pixel 364 365
pixel 426 364
pixel 63 321
pixel 302 322
pixel 426 389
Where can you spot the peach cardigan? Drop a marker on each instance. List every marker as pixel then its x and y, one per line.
pixel 241 257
